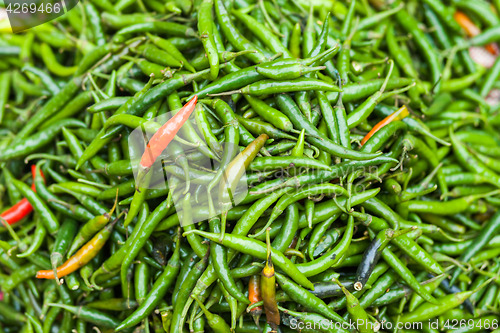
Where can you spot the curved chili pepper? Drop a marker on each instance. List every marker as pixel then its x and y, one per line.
pixel 82 257
pixel 399 114
pixel 94 316
pixel 21 209
pixel 331 257
pixel 487 232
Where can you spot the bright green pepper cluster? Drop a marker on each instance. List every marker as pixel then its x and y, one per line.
pixel 353 214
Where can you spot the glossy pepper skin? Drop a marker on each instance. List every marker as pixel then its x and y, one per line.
pixel 22 208
pixel 165 134
pixel 82 257
pixel 158 291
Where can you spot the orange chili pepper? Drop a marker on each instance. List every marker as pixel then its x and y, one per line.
pixel 160 140
pixel 82 257
pixel 472 30
pixel 254 296
pixel 465 22
pixel 399 114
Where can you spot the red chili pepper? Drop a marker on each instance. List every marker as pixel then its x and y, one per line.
pixel 399 114
pixel 160 140
pixel 472 30
pixel 22 208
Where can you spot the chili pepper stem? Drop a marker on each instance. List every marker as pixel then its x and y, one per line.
pixel 228 56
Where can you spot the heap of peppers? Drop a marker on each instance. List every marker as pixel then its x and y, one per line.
pixel 367 133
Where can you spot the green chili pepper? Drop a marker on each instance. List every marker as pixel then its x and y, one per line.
pixel 158 291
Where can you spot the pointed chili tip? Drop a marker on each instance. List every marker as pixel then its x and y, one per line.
pixel 141 174
pixel 193 100
pixel 120 327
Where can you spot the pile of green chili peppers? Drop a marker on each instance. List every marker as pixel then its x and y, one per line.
pixel 369 137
